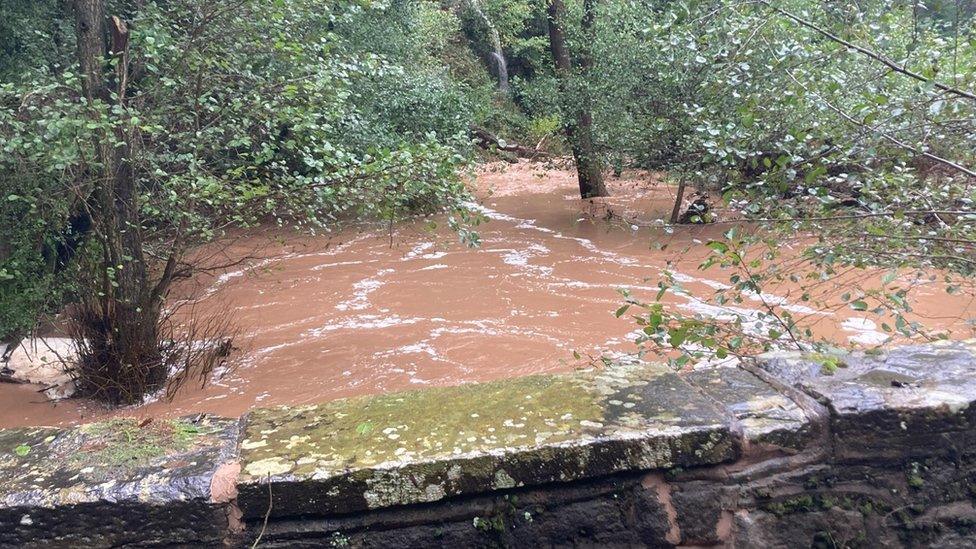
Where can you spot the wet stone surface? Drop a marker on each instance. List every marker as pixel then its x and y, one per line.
pixel 422 446
pixel 631 455
pixel 765 416
pixel 143 475
pixel 911 401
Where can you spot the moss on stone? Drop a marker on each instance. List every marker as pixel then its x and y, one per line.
pixel 120 460
pixel 125 442
pixel 421 446
pixel 796 504
pixel 369 431
pixel 829 363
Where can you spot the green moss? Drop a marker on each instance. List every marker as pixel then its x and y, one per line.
pixel 370 430
pixel 127 443
pixel 822 502
pixel 829 363
pixel 673 473
pixel 817 481
pixel 421 446
pixel 504 514
pixel 792 505
pixel 914 475
pixel 808 502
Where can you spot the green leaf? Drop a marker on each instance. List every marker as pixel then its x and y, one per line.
pixel 22 450
pixel 719 247
pixel 859 305
pixel 676 336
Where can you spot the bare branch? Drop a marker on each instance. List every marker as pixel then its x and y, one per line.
pixel 872 54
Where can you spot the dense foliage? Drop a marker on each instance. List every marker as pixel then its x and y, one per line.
pixel 854 124
pixel 238 112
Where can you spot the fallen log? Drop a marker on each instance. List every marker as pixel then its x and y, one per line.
pixel 487 140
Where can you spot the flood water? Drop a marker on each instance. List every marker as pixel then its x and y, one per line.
pixel 362 312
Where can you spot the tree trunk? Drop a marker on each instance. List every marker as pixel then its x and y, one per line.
pixel 118 329
pixel 579 128
pixel 676 211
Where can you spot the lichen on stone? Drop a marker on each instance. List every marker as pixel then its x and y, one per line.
pixel 433 443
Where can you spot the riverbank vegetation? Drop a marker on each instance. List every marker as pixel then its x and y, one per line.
pixel 134 131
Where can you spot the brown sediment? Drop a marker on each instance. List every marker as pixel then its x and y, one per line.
pixel 330 316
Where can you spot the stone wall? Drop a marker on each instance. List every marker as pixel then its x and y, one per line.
pixel 788 451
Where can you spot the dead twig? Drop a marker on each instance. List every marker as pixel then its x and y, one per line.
pixel 267 516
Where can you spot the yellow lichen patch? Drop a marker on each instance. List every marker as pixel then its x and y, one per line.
pixel 421 446
pixel 271 466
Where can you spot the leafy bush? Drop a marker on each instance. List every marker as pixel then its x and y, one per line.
pixel 235 113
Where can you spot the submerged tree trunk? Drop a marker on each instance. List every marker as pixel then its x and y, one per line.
pixel 117 326
pixel 579 127
pixel 676 211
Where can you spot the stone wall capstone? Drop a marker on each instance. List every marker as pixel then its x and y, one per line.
pixel 789 450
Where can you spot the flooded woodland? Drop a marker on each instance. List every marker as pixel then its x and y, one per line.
pixel 376 309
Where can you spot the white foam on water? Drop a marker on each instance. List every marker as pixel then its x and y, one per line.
pixel 365 322
pixel 753 321
pixel 530 224
pixel 420 347
pixel 418 250
pixel 341 264
pixel 865 331
pixel 766 298
pixel 362 289
pixel 224 278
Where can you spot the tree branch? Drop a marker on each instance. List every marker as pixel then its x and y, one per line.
pixel 872 54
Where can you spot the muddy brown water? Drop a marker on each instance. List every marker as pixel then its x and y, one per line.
pixel 348 314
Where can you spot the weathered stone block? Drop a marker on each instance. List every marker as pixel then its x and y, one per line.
pixel 422 446
pixel 115 483
pixel 914 401
pixel 615 511
pixel 633 455
pixel 699 509
pixel 829 528
pixel 765 416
